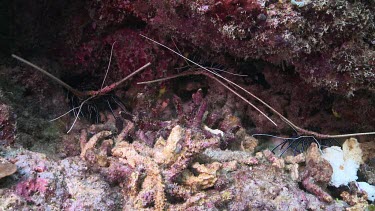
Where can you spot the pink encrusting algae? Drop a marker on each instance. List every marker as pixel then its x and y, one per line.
pixel 186 143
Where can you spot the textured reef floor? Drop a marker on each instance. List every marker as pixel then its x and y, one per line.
pixel 161 152
pixel 186 143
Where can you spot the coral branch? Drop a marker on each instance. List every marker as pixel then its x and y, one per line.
pixel 92 142
pixel 309 184
pixel 317 172
pixel 153 181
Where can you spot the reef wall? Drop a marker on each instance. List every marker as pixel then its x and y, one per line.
pixel 311 60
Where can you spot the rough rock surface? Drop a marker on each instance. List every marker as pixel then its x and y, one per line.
pixel 6 168
pixel 182 144
pixel 41 182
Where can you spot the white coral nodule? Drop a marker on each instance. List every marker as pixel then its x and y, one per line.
pixel 345 164
pixel 300 3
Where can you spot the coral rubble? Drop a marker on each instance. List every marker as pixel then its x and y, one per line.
pixel 41 182
pixel 185 143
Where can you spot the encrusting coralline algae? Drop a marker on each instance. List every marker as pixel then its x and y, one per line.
pixel 185 170
pixel 186 143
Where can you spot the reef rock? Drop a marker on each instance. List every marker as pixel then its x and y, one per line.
pixel 6 168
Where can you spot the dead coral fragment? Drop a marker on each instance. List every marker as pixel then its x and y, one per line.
pixel 206 176
pixel 309 183
pixel 277 162
pixel 318 167
pixel 352 150
pixel 248 143
pixel 104 149
pixel 191 147
pixel 317 174
pixel 293 166
pixel 300 158
pixel 171 148
pixel 162 165
pixel 153 184
pixel 355 197
pixel 357 200
pixel 293 169
pixel 210 155
pixel 6 168
pixel 92 142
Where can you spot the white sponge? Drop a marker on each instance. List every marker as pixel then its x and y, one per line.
pixel 344 170
pixel 345 163
pixel 370 190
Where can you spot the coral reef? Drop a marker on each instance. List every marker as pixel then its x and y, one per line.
pixel 322 40
pixel 171 157
pixel 178 165
pixel 185 144
pixel 164 176
pixel 288 51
